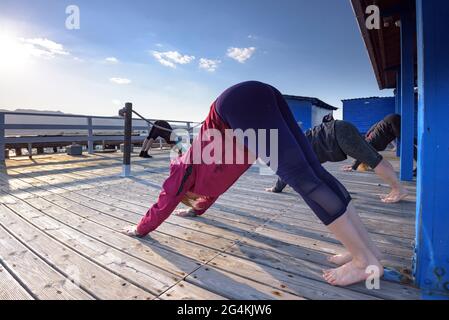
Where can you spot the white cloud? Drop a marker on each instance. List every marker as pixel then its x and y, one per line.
pixel 116 102
pixel 111 60
pixel 209 65
pixel 241 54
pixel 171 58
pixel 78 59
pixel 120 80
pixel 43 48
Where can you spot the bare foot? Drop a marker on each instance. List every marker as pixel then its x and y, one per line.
pixel 186 213
pixel 130 231
pixel 351 272
pixel 347 168
pixel 384 196
pixel 340 259
pixel 395 196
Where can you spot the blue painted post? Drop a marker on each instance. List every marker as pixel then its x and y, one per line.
pixel 398 109
pixel 407 95
pixel 432 224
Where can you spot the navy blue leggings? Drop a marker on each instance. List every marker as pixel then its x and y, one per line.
pixel 256 105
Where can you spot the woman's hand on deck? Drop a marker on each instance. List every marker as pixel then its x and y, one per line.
pixel 185 213
pixel 130 231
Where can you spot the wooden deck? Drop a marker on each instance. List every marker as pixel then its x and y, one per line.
pixel 60 218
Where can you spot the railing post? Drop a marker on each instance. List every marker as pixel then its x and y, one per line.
pixel 2 138
pixel 90 133
pixel 190 133
pixel 30 150
pixel 126 170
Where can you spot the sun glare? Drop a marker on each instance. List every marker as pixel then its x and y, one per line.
pixel 13 53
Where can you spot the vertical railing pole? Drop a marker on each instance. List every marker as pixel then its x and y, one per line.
pixel 30 150
pixel 126 171
pixel 2 138
pixel 188 130
pixel 90 133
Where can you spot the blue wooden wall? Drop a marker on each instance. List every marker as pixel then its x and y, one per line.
pixel 365 112
pixel 432 221
pixel 302 111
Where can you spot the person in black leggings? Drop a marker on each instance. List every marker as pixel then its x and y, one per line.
pixel 334 141
pixel 258 107
pixel 162 129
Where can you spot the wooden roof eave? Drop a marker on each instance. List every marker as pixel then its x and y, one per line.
pixel 360 15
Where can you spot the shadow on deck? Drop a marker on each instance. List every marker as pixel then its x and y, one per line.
pixel 60 218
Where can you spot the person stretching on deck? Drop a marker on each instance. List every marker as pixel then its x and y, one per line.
pixel 161 129
pixel 257 106
pixel 381 134
pixel 334 140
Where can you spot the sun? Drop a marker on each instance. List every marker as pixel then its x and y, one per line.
pixel 13 52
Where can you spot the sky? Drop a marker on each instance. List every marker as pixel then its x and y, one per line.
pixel 172 58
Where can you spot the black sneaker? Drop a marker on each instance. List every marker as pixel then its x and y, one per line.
pixel 145 155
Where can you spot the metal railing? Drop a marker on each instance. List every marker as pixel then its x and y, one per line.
pixel 14 124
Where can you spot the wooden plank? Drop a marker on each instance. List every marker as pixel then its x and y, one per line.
pixel 92 278
pixel 187 291
pixel 10 289
pixel 132 269
pixel 311 268
pixel 197 244
pixel 40 278
pixel 143 249
pixel 235 287
pixel 131 217
pixel 188 229
pixel 282 281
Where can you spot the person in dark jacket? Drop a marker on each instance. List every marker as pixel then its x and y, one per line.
pixel 335 140
pixel 381 134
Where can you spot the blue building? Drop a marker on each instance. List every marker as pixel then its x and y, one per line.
pixel 409 49
pixel 364 112
pixel 308 111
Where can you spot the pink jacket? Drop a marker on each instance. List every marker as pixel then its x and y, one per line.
pixel 207 180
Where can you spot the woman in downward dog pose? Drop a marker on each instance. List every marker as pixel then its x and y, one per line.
pixel 161 129
pixel 257 106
